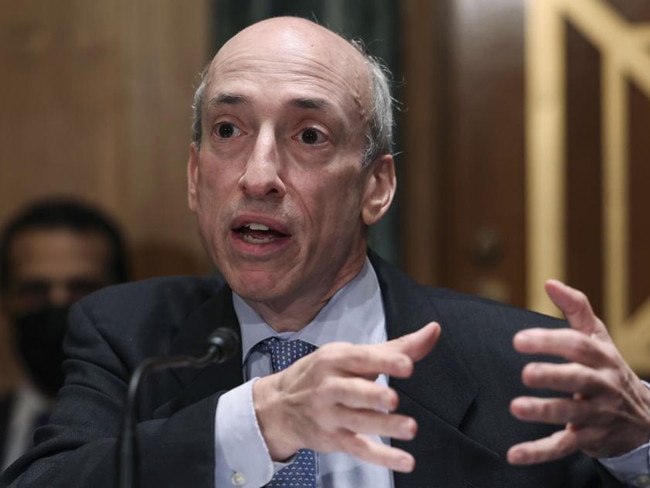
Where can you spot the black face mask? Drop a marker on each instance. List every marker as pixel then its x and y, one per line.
pixel 38 338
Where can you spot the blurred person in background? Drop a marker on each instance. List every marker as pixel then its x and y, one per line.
pixel 52 253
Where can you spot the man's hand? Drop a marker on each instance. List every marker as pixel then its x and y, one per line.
pixel 329 401
pixel 608 413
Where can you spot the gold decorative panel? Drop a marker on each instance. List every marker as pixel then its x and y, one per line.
pixel 624 48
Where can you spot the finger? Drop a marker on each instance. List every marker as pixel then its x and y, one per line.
pixel 576 308
pixel 366 361
pixel 374 452
pixel 556 446
pixel 376 423
pixel 417 344
pixel 359 393
pixel 566 343
pixel 557 411
pixel 394 358
pixel 567 378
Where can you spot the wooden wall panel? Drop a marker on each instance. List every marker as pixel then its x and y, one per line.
pixel 95 102
pixel 602 103
pixel 419 183
pixel 484 191
pixel 58 98
pixel 510 202
pixel 164 50
pixel 584 167
pixel 639 196
pixel 463 128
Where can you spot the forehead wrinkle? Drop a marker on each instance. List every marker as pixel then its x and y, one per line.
pixel 347 70
pixel 305 103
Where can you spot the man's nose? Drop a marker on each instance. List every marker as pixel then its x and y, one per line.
pixel 262 174
pixel 59 295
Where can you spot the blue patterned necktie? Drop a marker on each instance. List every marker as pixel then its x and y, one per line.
pixel 302 472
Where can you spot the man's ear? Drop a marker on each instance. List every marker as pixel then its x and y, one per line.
pixel 192 176
pixel 380 189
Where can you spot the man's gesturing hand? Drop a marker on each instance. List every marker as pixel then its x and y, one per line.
pixel 329 401
pixel 608 413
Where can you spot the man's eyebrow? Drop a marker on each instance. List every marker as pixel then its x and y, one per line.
pixel 307 103
pixel 311 103
pixel 227 99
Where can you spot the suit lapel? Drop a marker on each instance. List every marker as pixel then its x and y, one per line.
pixel 438 395
pixel 450 387
pixel 194 384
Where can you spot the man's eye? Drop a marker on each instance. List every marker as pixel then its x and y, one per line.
pixel 226 130
pixel 312 136
pixel 33 289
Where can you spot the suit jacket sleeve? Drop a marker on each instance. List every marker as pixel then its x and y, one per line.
pixel 78 446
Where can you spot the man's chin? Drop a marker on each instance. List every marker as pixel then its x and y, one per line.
pixel 258 286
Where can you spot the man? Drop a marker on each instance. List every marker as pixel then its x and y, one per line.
pixel 52 253
pixel 289 166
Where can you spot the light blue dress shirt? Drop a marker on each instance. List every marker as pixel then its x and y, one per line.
pixel 355 314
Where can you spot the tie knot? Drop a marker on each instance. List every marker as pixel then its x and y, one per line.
pixel 284 353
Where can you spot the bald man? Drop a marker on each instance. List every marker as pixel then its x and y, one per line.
pixel 350 374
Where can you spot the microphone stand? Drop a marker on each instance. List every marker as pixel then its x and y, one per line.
pixel 222 345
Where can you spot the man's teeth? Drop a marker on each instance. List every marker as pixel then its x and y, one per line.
pixel 257 239
pixel 258 233
pixel 255 226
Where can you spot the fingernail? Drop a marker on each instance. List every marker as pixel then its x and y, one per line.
pixel 388 401
pixel 516 457
pixel 406 430
pixel 404 365
pixel 523 339
pixel 405 465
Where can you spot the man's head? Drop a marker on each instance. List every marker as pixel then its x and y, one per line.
pixel 52 253
pixel 290 162
pixel 55 251
pixel 380 127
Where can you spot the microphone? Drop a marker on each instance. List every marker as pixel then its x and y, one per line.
pixel 223 344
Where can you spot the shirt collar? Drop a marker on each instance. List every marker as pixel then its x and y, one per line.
pixel 354 314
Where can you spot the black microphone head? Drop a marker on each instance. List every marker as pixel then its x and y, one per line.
pixel 223 344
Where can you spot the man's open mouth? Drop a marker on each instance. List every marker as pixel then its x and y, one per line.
pixel 255 233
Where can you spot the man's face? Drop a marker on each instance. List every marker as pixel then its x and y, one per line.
pixel 54 268
pixel 281 197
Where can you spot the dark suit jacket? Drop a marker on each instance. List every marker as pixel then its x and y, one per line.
pixel 459 394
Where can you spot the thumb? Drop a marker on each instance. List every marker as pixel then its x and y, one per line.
pixel 417 344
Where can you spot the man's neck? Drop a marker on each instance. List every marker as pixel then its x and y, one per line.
pixel 294 313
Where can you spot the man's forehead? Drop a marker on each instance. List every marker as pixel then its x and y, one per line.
pixel 277 46
pixel 46 242
pixel 305 64
pixel 288 32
